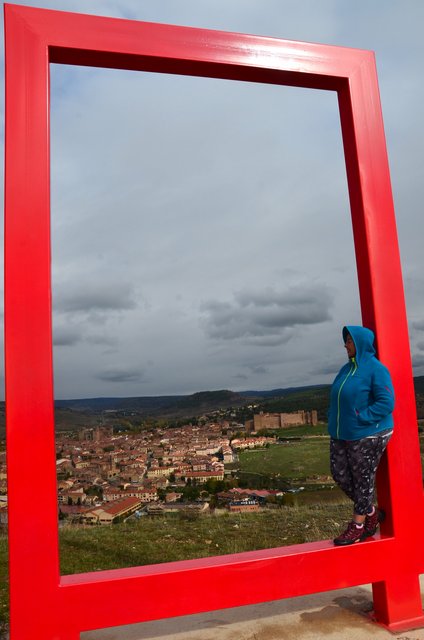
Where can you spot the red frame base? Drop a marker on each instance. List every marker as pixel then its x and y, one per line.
pixel 400 627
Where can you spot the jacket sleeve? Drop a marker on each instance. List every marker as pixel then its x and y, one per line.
pixel 383 398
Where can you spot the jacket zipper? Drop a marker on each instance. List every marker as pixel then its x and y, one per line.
pixel 352 371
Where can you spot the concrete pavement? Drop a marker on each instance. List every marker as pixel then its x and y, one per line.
pixel 342 615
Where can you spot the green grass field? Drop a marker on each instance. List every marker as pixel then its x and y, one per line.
pixel 297 460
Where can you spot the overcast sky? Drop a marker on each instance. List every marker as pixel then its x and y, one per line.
pixel 201 228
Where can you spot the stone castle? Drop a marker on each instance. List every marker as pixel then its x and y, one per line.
pixel 280 420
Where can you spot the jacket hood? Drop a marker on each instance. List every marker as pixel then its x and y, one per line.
pixel 364 342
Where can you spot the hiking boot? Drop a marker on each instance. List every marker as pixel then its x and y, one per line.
pixel 351 535
pixel 372 522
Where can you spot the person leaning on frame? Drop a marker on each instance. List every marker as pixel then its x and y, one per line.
pixel 360 425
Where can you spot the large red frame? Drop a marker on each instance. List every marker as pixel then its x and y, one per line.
pixel 47 606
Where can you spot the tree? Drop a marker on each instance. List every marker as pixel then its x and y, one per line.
pixel 213 502
pixel 215 486
pixel 191 493
pixel 95 490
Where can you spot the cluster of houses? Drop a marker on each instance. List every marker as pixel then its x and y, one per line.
pixel 239 500
pixel 104 477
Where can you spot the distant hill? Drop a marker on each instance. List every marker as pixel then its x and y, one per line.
pixel 281 399
pixel 211 400
pixel 139 403
pixel 419 384
pixel 158 406
pixel 278 393
pixel 80 412
pixel 306 398
pixel 202 400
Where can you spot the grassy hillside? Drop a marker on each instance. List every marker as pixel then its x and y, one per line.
pixel 156 404
pixel 154 540
pixel 140 403
pixel 172 538
pixel 211 400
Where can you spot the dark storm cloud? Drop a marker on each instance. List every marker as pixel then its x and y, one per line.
pixel 273 340
pixel 259 369
pixel 102 340
pixel 267 315
pixel 94 297
pixel 72 336
pixel 119 375
pixel 240 376
pixel 65 336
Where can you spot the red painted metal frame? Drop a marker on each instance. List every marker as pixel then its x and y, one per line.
pixel 45 605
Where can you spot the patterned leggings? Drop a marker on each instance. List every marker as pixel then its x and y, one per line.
pixel 354 466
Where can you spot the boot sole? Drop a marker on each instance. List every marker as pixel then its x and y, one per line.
pixel 346 543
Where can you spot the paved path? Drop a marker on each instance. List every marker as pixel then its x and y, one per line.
pixel 341 615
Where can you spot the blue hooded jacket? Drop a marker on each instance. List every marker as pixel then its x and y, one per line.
pixel 362 396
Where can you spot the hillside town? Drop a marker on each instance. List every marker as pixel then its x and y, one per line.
pixel 105 476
